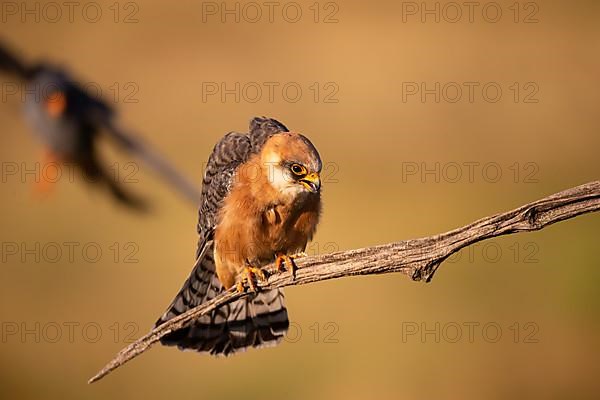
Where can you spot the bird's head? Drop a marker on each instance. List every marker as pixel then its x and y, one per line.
pixel 292 164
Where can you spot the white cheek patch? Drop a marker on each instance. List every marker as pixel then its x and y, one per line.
pixel 279 179
pixel 278 176
pixel 274 172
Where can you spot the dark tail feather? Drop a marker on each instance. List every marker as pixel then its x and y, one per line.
pixel 127 199
pixel 11 64
pixel 97 174
pixel 261 321
pixel 257 321
pixel 155 161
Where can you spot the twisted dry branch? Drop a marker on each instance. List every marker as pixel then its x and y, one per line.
pixel 418 258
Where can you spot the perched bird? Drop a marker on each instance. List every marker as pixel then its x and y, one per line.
pixel 68 121
pixel 261 200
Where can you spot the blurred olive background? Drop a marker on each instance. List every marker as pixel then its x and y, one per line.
pixel 352 338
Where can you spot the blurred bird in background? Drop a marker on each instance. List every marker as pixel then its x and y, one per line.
pixel 260 203
pixel 68 121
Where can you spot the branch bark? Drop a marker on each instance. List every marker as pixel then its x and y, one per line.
pixel 418 258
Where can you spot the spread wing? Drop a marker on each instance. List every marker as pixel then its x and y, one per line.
pixel 259 321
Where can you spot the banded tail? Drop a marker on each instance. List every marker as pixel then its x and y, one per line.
pixel 256 321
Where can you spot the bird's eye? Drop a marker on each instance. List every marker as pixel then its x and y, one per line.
pixel 298 169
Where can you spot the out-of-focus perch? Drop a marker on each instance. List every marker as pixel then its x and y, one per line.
pixel 418 258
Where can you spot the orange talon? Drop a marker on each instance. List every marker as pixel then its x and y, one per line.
pixel 240 287
pixel 283 260
pixel 251 277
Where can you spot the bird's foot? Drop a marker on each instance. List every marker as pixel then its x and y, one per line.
pixel 251 277
pixel 45 185
pixel 285 262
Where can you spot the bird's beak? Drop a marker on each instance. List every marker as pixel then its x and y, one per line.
pixel 312 182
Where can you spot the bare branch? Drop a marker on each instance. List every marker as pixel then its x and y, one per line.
pixel 418 258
